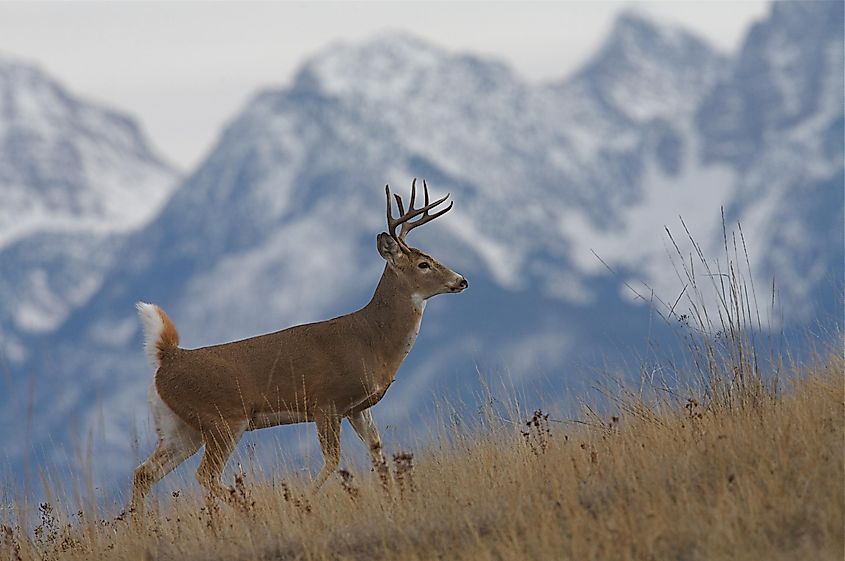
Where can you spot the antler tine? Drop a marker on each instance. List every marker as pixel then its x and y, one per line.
pixel 391 222
pixel 405 217
pixel 413 213
pixel 413 193
pixel 408 226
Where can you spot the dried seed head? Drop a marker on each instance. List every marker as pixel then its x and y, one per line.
pixel 347 485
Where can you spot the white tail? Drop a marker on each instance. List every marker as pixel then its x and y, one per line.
pixel 159 332
pixel 319 372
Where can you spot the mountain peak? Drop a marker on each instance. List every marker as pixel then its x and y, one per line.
pixel 783 74
pixel 636 25
pixel 389 65
pixel 27 88
pixel 795 18
pixel 647 69
pixel 385 61
pixel 11 62
pixel 69 164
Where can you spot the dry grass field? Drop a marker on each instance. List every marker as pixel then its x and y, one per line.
pixel 758 477
pixel 741 458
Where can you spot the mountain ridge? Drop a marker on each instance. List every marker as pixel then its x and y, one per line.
pixel 74 178
pixel 277 227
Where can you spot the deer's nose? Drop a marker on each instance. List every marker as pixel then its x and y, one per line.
pixel 463 283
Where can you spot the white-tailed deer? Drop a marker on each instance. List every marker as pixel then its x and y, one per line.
pixel 318 372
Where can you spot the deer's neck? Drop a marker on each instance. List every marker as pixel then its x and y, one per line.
pixel 395 313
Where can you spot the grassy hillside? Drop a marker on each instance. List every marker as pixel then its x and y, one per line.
pixel 758 477
pixel 737 458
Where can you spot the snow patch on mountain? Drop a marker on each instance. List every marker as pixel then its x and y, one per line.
pixel 68 164
pixel 638 245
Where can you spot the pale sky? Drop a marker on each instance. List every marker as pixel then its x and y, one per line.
pixel 184 69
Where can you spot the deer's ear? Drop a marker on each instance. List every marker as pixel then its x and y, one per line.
pixel 388 248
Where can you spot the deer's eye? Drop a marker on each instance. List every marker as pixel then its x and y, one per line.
pixel 423 265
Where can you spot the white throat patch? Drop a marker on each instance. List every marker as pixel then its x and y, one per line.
pixel 419 302
pixel 419 306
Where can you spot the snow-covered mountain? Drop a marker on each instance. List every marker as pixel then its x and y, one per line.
pixel 74 176
pixel 777 118
pixel 764 140
pixel 278 225
pixel 646 71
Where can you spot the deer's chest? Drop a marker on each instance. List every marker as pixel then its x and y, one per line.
pixel 402 342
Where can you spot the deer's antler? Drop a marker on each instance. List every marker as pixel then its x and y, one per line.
pixel 405 217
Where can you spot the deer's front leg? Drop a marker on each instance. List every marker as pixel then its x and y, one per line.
pixel 364 426
pixel 328 430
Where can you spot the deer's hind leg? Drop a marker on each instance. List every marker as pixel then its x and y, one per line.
pixel 220 442
pixel 177 441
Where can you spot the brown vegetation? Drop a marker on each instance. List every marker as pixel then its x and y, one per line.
pixel 743 461
pixel 760 480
